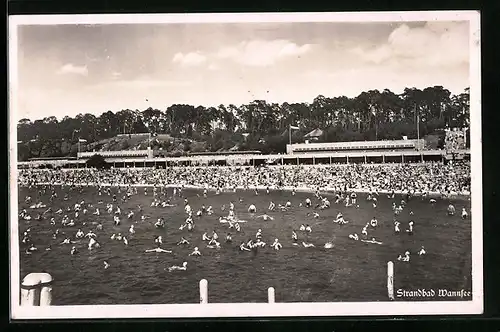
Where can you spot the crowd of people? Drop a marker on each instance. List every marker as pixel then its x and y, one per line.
pixel 435 178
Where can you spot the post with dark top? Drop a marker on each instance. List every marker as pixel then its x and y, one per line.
pixel 390 280
pixel 203 291
pixel 270 295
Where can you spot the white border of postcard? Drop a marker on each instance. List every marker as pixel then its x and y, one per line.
pixel 335 309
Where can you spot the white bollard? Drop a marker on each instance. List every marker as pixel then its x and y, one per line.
pixel 36 290
pixel 270 295
pixel 390 280
pixel 203 291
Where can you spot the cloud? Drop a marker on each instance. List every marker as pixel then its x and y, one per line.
pixel 261 53
pixel 435 44
pixel 191 59
pixel 116 75
pixel 73 70
pixel 213 67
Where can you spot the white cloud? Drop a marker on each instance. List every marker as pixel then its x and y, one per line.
pixel 72 69
pixel 191 59
pixel 116 75
pixel 213 67
pixel 435 44
pixel 262 53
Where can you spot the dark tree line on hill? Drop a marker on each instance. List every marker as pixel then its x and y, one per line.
pixel 259 125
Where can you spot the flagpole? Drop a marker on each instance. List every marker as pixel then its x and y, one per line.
pixel 290 134
pixel 418 127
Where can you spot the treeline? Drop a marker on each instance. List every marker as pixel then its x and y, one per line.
pixel 259 125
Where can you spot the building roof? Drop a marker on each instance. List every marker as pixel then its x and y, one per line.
pixel 315 133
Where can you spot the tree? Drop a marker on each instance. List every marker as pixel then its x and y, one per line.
pixel 372 115
pixel 97 161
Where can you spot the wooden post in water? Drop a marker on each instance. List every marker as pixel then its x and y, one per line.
pixel 390 280
pixel 36 290
pixel 270 295
pixel 203 291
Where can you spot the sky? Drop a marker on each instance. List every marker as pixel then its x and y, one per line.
pixel 71 69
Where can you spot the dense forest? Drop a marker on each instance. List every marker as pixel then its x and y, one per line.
pixel 259 125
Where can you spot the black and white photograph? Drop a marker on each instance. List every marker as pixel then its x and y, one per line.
pixel 245 165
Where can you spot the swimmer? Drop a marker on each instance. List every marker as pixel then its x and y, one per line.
pixel 243 248
pixel 260 243
pixel 158 240
pixel 308 229
pixel 252 209
pixel 90 234
pixel 410 228
pixel 258 235
pixel 294 238
pixel 372 241
pixel 79 234
pixel 205 237
pixel 67 241
pixel 74 251
pixel 160 223
pixel 308 202
pixel 213 244
pixel 288 204
pixel 329 245
pixel 421 251
pixel 373 222
pixel 307 245
pixel 396 227
pixel 464 214
pixel 131 230
pixel 195 252
pixel 266 217
pixel 125 241
pixel 49 248
pixel 271 206
pixel 229 238
pixel 276 245
pixel 119 237
pixel 354 237
pixel 178 268
pixel 364 231
pixel 353 198
pixel 451 210
pixel 405 258
pixel 182 241
pixel 92 243
pixel 159 250
pixel 316 215
pixel 302 228
pixel 432 201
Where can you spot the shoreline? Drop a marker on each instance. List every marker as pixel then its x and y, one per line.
pixel 329 190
